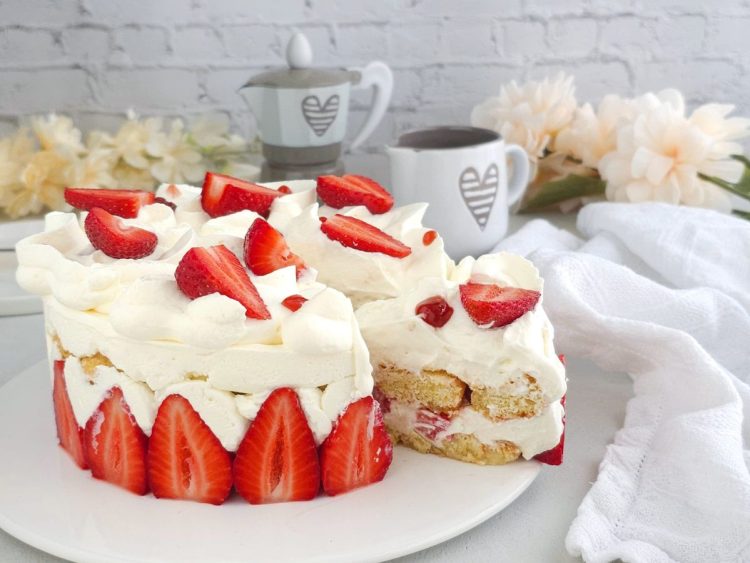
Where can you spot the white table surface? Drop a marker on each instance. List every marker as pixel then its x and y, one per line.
pixel 532 529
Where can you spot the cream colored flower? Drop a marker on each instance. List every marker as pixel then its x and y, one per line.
pixel 131 140
pixel 591 134
pixel 93 170
pixel 44 179
pixel 531 114
pixel 57 132
pixel 177 161
pixel 211 132
pixel 661 154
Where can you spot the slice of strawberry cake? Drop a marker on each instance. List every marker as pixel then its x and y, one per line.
pixel 179 336
pixel 465 366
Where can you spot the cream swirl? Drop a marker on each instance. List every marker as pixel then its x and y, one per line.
pixel 365 276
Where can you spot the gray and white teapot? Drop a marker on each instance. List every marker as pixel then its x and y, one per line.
pixel 302 111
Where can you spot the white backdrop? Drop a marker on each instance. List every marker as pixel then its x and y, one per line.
pixel 95 58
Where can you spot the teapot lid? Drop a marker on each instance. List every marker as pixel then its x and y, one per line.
pixel 299 74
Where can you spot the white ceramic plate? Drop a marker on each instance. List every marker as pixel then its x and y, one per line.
pixel 13 299
pixel 49 503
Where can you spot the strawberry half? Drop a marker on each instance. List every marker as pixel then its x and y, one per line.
pixel 357 234
pixel 185 459
pixel 215 269
pixel 277 460
pixel 109 234
pixel 555 455
pixel 223 195
pixel 266 250
pixel 496 306
pixel 340 191
pixel 115 445
pixel 358 451
pixel 123 203
pixel 69 434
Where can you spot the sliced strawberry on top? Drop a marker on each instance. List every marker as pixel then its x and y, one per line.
pixel 266 250
pixel 340 191
pixel 185 458
pixel 115 445
pixel 109 234
pixel 223 195
pixel 215 269
pixel 358 450
pixel 496 306
pixel 123 203
pixel 357 234
pixel 277 460
pixel 69 434
pixel 555 455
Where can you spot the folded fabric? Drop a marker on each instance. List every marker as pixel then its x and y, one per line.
pixel 663 293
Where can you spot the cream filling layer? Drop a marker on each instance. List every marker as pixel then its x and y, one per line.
pixel 532 435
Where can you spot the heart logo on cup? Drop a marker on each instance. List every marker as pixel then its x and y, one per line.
pixel 479 193
pixel 320 116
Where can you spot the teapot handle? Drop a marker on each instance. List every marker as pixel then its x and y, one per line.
pixel 379 76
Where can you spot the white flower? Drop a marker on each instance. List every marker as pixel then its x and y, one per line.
pixel 57 132
pixel 661 154
pixel 591 134
pixel 177 161
pixel 530 115
pixel 131 140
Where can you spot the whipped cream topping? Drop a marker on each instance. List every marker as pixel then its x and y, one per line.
pixel 481 357
pixel 132 312
pixel 532 435
pixel 365 276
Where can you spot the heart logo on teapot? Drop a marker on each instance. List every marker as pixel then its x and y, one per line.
pixel 320 116
pixel 479 193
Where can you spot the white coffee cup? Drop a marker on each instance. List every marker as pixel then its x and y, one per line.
pixel 462 173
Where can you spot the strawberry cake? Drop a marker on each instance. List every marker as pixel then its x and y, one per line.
pixel 218 338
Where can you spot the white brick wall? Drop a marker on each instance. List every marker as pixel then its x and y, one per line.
pixel 96 58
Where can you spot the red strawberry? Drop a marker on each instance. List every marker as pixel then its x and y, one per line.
pixel 266 250
pixel 223 195
pixel 563 361
pixel 185 459
pixel 124 203
pixel 555 455
pixel 357 234
pixel 69 434
pixel 496 306
pixel 110 235
pixel 340 191
pixel 435 311
pixel 277 460
pixel 358 451
pixel 429 237
pixel 286 190
pixel 429 424
pixel 382 399
pixel 215 269
pixel 115 445
pixel 294 302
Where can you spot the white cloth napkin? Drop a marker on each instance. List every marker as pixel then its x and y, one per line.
pixel 662 293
